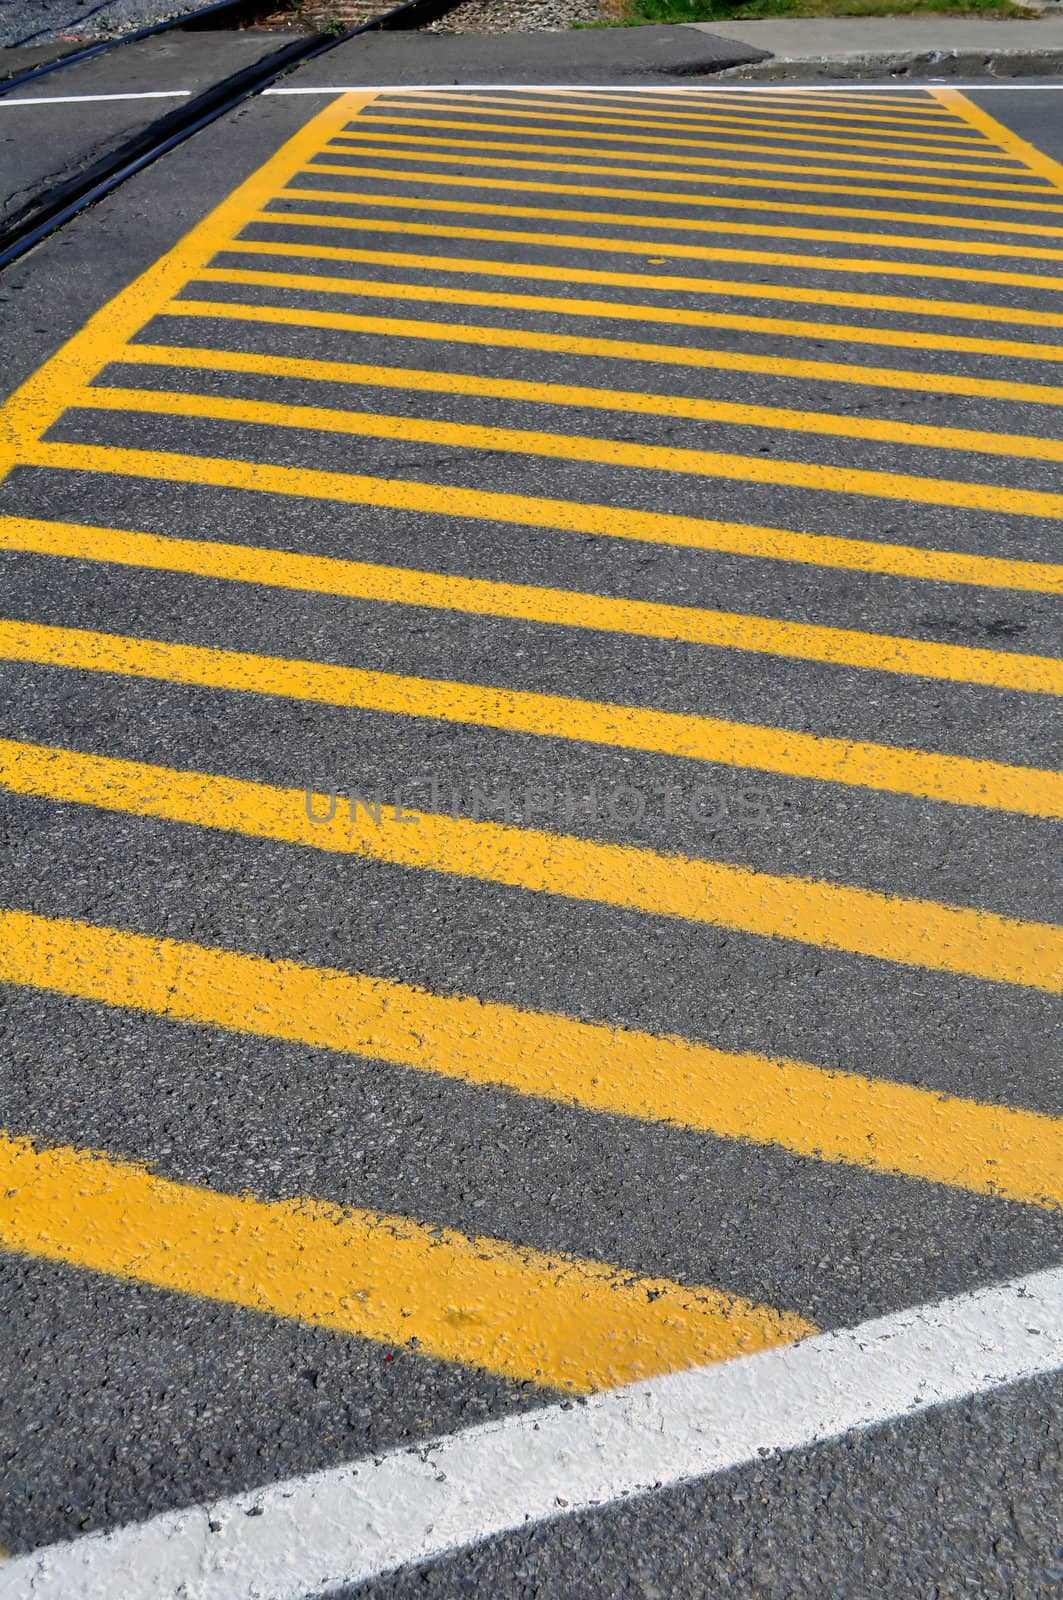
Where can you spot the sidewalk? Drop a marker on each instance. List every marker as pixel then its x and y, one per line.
pixel 875 46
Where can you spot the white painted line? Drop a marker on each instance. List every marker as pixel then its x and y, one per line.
pixel 662 88
pixel 311 1535
pixel 83 99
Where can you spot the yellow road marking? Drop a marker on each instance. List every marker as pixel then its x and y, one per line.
pixel 627 219
pixel 895 102
pixel 895 241
pixel 731 288
pixel 914 104
pixel 552 1320
pixel 528 110
pixel 719 894
pixel 831 1116
pixel 631 402
pixel 893 162
pixel 713 360
pixel 955 780
pixel 42 399
pixel 712 164
pixel 577 447
pixel 600 310
pixel 723 630
pixel 853 110
pixel 362 143
pixel 621 107
pixel 643 247
pixel 613 522
pixel 1035 160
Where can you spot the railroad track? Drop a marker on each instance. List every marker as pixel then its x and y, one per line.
pixel 53 207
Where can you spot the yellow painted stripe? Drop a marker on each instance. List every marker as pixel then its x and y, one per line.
pixel 642 247
pixel 621 108
pixel 632 143
pixel 628 401
pixel 955 780
pixel 894 240
pixel 361 143
pixel 600 310
pixel 730 288
pixel 722 630
pixel 711 164
pixel 815 476
pixel 833 1116
pixel 690 114
pixel 712 360
pixel 628 219
pixel 907 104
pixel 894 102
pixel 854 111
pixel 38 403
pixel 719 894
pixel 540 110
pixel 552 1320
pixel 611 522
pixel 1036 161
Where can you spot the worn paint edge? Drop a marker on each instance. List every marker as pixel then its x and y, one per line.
pixel 312 1534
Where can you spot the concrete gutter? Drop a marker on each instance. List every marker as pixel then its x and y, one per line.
pixel 858 48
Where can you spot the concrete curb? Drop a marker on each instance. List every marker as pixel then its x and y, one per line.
pixel 915 64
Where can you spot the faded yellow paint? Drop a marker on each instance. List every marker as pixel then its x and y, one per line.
pixel 42 399
pixel 636 402
pixel 814 475
pixel 710 360
pixel 832 916
pixel 610 522
pixel 831 1116
pixel 552 1320
pixel 361 142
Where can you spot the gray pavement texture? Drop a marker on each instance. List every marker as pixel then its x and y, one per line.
pixel 119 1399
pixel 42 146
pixel 963 1503
pixel 587 55
pixel 23 58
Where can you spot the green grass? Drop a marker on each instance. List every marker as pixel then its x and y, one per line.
pixel 628 13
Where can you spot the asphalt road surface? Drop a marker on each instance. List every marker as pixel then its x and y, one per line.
pixel 530 724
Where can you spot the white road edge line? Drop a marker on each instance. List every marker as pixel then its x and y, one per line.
pixel 82 99
pixel 310 1535
pixel 663 89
